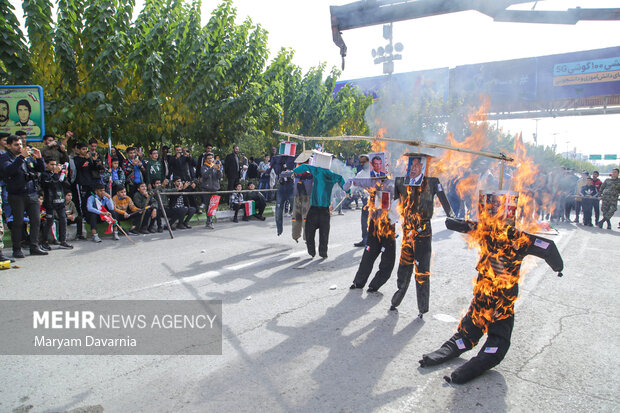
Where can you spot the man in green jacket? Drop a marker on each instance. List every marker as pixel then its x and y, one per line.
pixel 319 215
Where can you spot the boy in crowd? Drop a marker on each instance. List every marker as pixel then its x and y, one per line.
pixel 236 203
pixel 143 200
pixel 125 208
pixel 134 170
pixel 70 210
pixel 115 177
pixel 52 182
pixel 259 201
pixel 154 168
pixel 99 206
pixel 178 205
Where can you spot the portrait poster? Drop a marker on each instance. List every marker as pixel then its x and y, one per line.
pixel 22 109
pixel 416 170
pixel 378 164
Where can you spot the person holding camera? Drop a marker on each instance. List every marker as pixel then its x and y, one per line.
pixel 54 149
pixel 53 181
pixel 87 170
pixel 20 166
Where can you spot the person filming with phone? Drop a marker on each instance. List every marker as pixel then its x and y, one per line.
pixel 21 166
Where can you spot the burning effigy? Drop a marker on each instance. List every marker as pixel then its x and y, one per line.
pixel 417 191
pixel 381 238
pixel 502 250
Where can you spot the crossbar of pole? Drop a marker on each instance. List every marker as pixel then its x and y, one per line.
pixel 422 144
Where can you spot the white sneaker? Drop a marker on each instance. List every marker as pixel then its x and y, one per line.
pixel 115 236
pixel 96 238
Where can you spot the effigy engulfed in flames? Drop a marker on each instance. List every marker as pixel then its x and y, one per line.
pixel 502 250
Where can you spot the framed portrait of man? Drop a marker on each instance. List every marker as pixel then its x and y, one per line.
pixel 21 109
pixel 416 169
pixel 378 166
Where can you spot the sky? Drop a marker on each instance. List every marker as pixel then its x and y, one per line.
pixel 443 41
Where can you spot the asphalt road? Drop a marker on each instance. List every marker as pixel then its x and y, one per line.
pixel 293 343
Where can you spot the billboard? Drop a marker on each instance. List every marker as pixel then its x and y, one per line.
pixel 580 74
pixel 436 81
pixel 21 109
pixel 507 81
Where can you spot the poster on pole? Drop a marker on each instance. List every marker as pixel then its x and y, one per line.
pixel 21 109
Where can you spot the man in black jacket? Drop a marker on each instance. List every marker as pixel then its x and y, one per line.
pixel 20 174
pixel 232 168
pixel 53 181
pixel 181 165
pixel 86 169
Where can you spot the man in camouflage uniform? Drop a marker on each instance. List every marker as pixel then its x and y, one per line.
pixel 610 189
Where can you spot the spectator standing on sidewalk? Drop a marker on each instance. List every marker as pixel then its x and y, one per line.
pixel 53 183
pixel 610 190
pixel 232 168
pixel 211 175
pixel 597 202
pixel 154 169
pixel 20 174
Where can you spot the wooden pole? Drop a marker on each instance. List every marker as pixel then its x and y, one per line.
pixel 118 225
pixel 163 210
pixel 422 144
pixel 148 197
pixel 501 174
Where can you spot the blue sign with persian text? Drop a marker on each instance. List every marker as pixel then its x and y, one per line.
pixel 587 66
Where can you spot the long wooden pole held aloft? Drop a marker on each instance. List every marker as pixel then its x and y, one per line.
pixel 421 144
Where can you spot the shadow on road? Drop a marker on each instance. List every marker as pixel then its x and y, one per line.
pixel 342 369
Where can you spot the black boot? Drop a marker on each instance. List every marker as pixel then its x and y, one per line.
pixel 449 350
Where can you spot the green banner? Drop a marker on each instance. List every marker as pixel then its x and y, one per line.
pixel 611 157
pixel 595 157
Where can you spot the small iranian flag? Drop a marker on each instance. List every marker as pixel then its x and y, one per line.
pixel 383 200
pixel 249 208
pixel 213 203
pixel 288 148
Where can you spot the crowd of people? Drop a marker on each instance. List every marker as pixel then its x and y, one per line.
pixel 562 195
pixel 44 191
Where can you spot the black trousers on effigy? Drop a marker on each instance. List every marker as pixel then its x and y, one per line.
pixel 490 355
pixel 317 218
pixel 375 246
pixel 418 254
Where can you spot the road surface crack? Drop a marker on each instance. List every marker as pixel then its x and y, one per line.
pixel 551 340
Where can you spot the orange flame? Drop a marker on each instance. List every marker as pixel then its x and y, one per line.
pixel 495 288
pixel 412 225
pixel 381 224
pixel 378 145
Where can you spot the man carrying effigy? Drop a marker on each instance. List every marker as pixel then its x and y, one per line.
pixel 319 215
pixel 417 195
pixel 491 312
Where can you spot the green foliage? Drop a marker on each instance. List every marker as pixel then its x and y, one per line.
pixel 15 63
pixel 164 78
